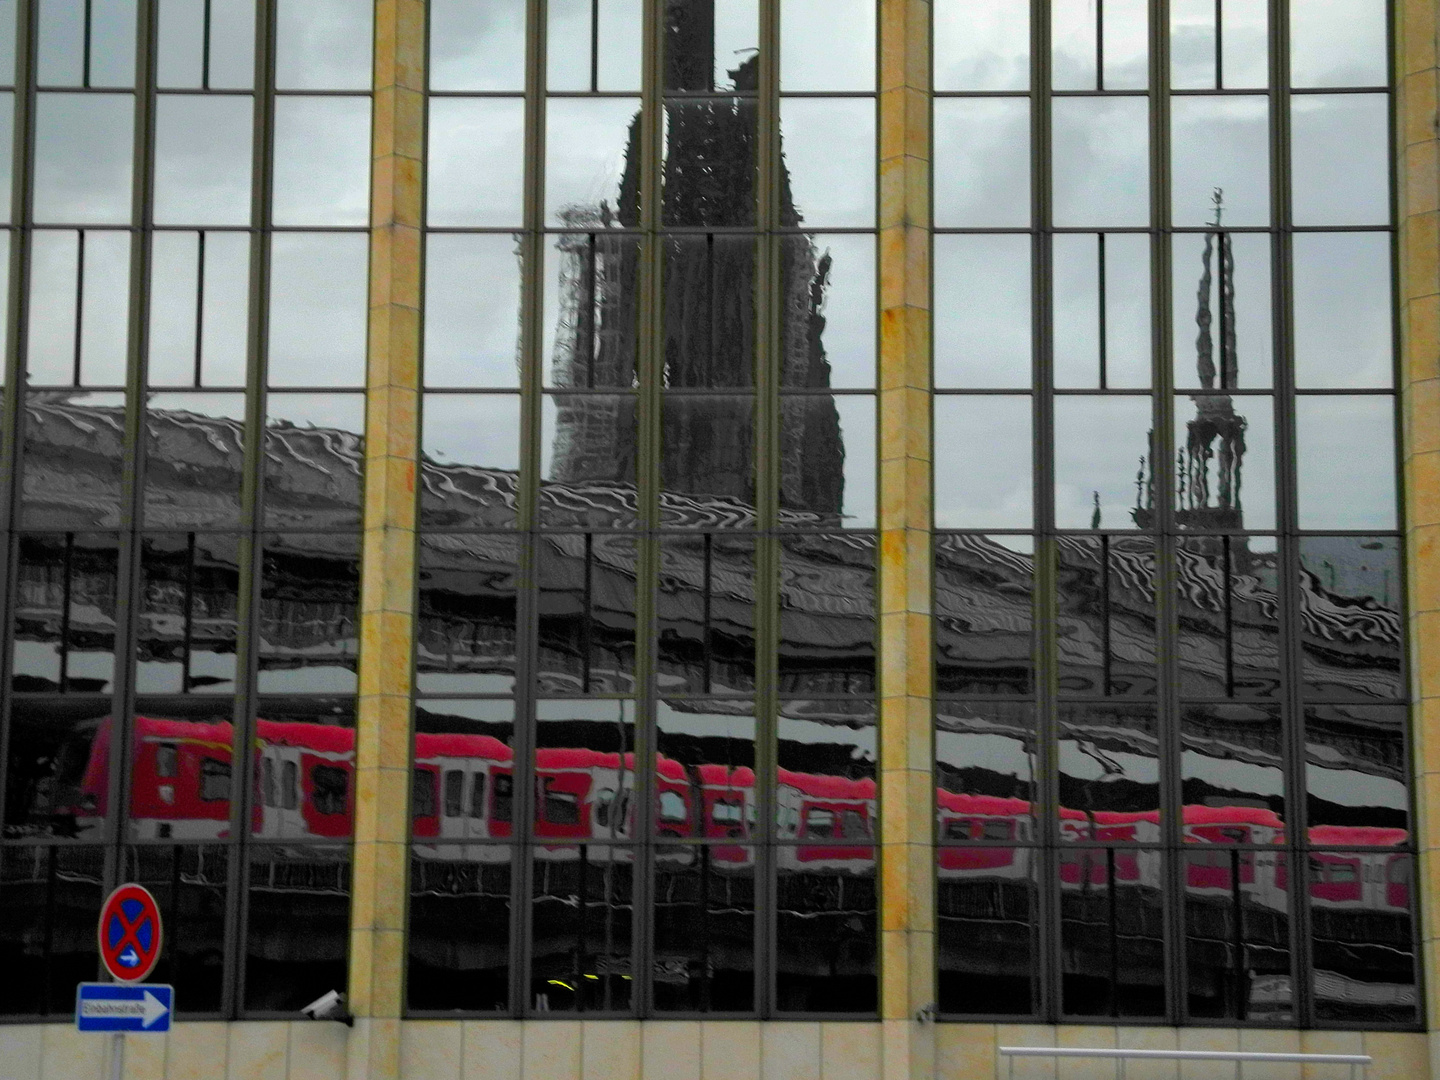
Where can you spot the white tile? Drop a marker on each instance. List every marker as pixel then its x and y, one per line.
pixel 259 1050
pixel 493 1049
pixel 21 1046
pixel 610 1050
pixel 68 1055
pixel 670 1049
pixel 790 1051
pixel 431 1049
pixel 730 1050
pixel 850 1051
pixel 197 1050
pixel 317 1050
pixel 552 1050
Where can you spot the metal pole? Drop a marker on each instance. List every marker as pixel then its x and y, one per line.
pixel 117 1056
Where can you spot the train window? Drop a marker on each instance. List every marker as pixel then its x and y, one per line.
pixel 267 782
pixel 214 780
pixel 422 794
pixel 454 792
pixel 167 760
pixel 819 824
pixel 958 829
pixel 561 807
pixel 997 830
pixel 1334 873
pixel 853 826
pixel 290 785
pixel 727 812
pixel 477 796
pixel 329 787
pixel 504 788
pixel 672 806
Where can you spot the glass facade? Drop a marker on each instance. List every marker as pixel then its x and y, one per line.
pixel 644 753
pixel 1171 776
pixel 1168 683
pixel 188 265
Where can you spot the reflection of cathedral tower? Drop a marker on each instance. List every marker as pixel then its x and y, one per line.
pixel 1209 466
pixel 709 337
pixel 1211 461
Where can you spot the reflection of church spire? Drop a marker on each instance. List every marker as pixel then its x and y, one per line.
pixel 1211 461
pixel 1210 464
pixel 709 337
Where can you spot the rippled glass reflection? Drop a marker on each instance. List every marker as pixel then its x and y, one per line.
pixel 465 639
pixel 1112 932
pixel 1351 608
pixel 1105 619
pixel 984 619
pixel 1229 616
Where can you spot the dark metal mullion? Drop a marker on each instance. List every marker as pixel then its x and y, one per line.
pixel 199 302
pixel 77 348
pixel 205 48
pixel 251 508
pixel 1103 314
pixel 767 494
pixel 12 412
pixel 649 362
pixel 527 597
pixel 1162 472
pixel 127 583
pixel 1292 684
pixel 1417 901
pixel 86 41
pixel 1047 786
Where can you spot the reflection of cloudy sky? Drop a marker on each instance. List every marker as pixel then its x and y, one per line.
pixel 1101 161
pixel 323 44
pixel 472 429
pixel 477 46
pixel 1073 44
pixel 472 318
pixel 318 309
pixel 477 161
pixel 829 150
pixel 982 45
pixel 83 152
pixel 322 161
pixel 104 322
pixel 1243 33
pixel 202 159
pixel 827 45
pixel 585 143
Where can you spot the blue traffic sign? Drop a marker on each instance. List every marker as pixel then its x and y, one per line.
pixel 121 1007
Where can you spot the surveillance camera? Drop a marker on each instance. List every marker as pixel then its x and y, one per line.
pixel 330 1006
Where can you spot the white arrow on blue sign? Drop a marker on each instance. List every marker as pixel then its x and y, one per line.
pixel 124 1007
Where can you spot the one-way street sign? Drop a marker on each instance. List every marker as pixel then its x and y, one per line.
pixel 122 1007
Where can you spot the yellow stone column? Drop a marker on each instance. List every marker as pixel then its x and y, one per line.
pixel 387 585
pixel 907 788
pixel 1418 213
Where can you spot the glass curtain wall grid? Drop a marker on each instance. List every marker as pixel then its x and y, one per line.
pixel 1170 723
pixel 647 555
pixel 182 474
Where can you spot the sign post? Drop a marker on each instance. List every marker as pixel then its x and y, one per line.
pixel 130 937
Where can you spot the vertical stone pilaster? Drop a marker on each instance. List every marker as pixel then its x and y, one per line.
pixel 387 586
pixel 906 772
pixel 1418 216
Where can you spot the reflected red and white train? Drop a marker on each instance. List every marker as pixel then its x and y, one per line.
pixel 1375 880
pixel 463 789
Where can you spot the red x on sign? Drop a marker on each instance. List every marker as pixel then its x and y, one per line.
pixel 130 933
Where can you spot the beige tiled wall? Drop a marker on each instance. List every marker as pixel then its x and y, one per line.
pixel 657 1050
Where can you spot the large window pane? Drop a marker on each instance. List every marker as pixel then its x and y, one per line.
pixel 476 161
pixel 982 162
pixel 983 465
pixel 202 159
pixel 982 311
pixel 1340 147
pixel 1346 455
pixel 987 919
pixel 1101 161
